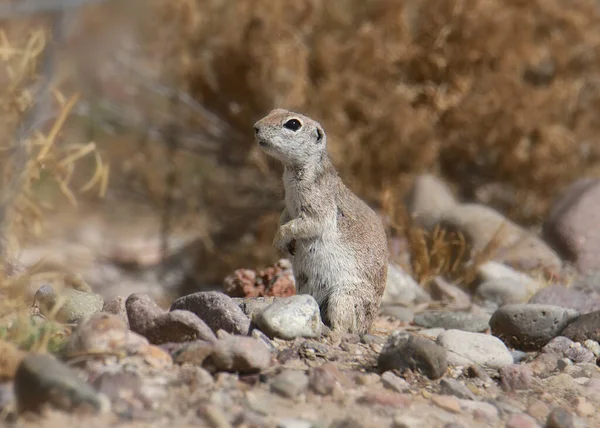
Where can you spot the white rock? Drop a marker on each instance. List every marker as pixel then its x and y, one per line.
pixel 466 348
pixel 401 289
pixel 291 317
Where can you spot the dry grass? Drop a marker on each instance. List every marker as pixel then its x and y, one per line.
pixel 34 154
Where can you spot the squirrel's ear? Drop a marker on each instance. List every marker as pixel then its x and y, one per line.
pixel 319 135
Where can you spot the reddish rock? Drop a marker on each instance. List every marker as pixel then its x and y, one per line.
pixel 275 281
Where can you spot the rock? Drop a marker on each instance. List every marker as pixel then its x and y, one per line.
pixel 275 280
pixel 502 291
pixel 559 417
pixel 515 377
pixel 544 364
pixel 294 423
pixel 511 244
pixel 501 285
pixel 323 379
pixel 289 383
pixel 108 334
pixel 345 423
pixel 447 402
pixel 572 226
pixel 216 309
pixel 519 356
pixel 10 358
pixel 584 327
pixel 431 333
pixel 563 363
pixel 480 410
pixel 405 421
pixel 529 327
pixel 262 338
pixel 567 297
pixel 252 306
pixel 492 270
pixel 428 199
pixel 390 399
pixel 398 312
pixel 395 383
pixel 292 317
pixel 116 306
pixel 401 289
pixel 404 351
pixel 456 388
pixel 538 410
pixel 465 321
pixel 70 306
pixel 240 354
pixel 466 348
pixel 583 407
pixel 158 326
pixel 117 385
pixel 593 347
pixel 565 347
pixel 521 421
pixel 450 293
pixel 478 372
pixel 195 352
pixel 42 380
pixel 581 370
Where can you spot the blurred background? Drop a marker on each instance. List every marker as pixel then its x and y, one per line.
pixel 127 153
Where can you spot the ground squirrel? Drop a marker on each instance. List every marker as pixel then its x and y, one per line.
pixel 337 244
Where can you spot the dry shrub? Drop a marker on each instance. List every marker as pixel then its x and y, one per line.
pixel 499 97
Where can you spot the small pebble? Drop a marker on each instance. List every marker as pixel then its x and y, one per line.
pixel 559 417
pixel 395 383
pixel 456 388
pixel 289 383
pixel 515 377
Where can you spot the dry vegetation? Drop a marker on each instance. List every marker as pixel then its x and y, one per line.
pixel 498 97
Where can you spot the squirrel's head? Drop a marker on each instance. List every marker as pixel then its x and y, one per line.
pixel 290 137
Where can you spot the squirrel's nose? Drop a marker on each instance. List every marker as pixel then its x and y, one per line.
pixel 256 129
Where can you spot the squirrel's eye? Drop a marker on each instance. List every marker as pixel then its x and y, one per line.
pixel 293 124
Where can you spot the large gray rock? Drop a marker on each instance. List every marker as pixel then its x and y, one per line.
pixel 158 326
pixel 42 380
pixel 291 317
pixel 573 225
pixel 465 349
pixel 216 309
pixel 406 351
pixel 528 327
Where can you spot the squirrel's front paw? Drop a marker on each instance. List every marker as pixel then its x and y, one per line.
pixel 282 241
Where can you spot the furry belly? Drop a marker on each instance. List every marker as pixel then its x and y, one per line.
pixel 319 269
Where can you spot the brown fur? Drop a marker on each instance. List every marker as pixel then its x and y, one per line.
pixel 337 244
